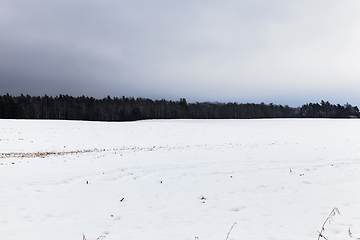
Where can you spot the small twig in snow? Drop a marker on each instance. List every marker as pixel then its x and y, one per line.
pixel 230 230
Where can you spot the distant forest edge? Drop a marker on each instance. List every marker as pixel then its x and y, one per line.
pixel 131 109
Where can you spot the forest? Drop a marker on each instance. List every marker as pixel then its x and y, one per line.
pixel 130 109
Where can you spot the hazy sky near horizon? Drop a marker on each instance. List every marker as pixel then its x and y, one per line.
pixel 284 52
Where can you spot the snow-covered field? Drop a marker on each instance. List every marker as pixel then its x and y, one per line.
pixel 179 179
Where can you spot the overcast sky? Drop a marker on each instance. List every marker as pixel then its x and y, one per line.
pixel 281 51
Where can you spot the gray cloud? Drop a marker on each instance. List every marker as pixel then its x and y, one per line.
pixel 287 52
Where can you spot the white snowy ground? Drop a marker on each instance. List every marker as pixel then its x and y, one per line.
pixel 179 179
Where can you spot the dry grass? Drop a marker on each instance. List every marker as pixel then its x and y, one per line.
pixel 99 238
pixel 328 220
pixel 197 238
pixel 230 230
pixel 46 154
pixel 54 153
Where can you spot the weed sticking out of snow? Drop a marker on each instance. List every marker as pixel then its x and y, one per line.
pixel 327 220
pixel 230 230
pixel 99 238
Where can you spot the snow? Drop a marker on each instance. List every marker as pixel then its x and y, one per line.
pixel 179 179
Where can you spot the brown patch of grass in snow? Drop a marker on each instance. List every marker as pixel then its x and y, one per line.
pixel 55 153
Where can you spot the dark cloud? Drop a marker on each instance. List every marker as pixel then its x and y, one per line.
pixel 287 52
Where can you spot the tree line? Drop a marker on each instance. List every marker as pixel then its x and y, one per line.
pixel 130 109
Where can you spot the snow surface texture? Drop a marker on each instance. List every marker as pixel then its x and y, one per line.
pixel 179 179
